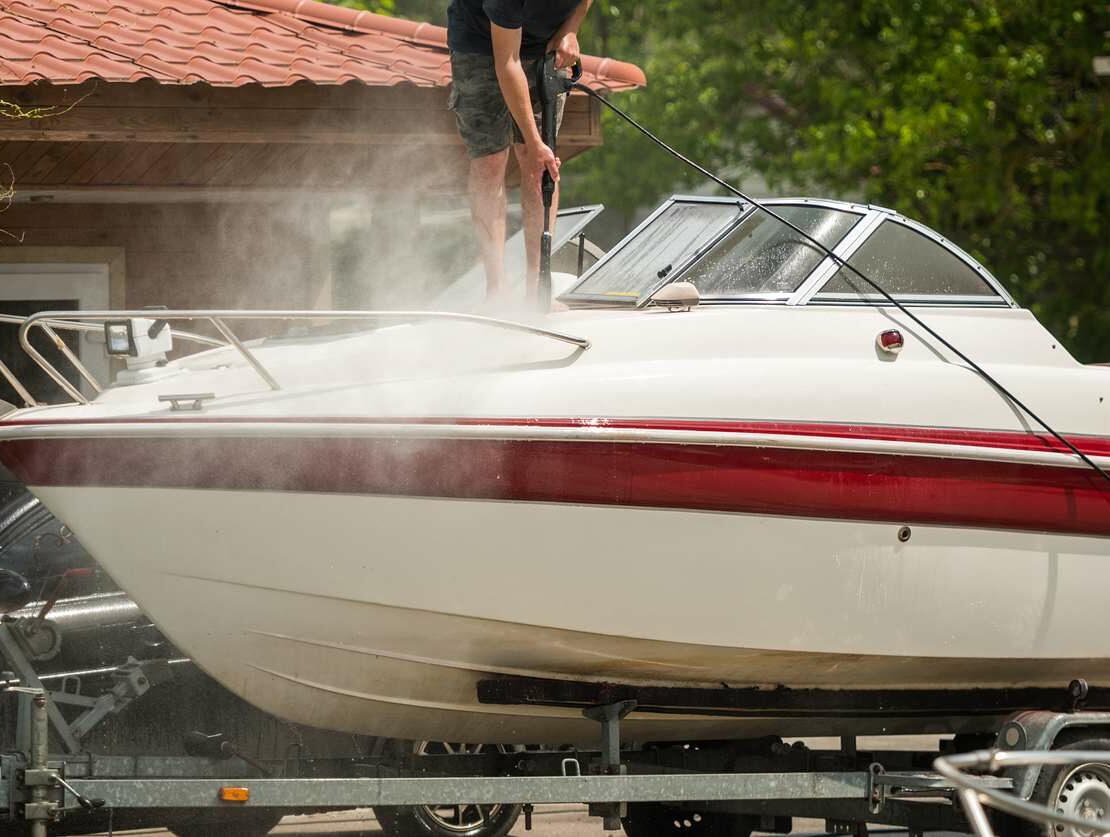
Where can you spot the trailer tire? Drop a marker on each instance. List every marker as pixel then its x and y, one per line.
pixel 654 819
pixel 1088 784
pixel 445 820
pixel 420 821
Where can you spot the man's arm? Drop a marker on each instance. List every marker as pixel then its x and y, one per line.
pixel 514 87
pixel 564 43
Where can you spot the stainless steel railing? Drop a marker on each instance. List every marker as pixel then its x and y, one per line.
pixel 50 322
pixel 52 326
pixel 976 794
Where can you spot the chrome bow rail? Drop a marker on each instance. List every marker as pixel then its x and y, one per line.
pixel 51 327
pixel 50 322
pixel 975 792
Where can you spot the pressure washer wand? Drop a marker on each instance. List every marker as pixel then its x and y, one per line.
pixel 550 84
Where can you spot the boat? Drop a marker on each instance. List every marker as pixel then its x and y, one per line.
pixel 729 468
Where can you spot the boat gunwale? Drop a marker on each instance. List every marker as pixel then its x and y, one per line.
pixel 1005 446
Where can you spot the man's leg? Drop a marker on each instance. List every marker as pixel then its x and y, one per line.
pixel 487 211
pixel 531 210
pixel 486 128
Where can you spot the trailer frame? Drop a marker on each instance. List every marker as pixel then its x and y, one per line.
pixel 764 779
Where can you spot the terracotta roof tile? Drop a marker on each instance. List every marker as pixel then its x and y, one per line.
pixel 231 43
pixel 17 30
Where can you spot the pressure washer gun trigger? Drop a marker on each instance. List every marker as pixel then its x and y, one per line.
pixel 575 77
pixel 553 82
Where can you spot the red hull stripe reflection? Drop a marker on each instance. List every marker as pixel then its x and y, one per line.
pixel 753 480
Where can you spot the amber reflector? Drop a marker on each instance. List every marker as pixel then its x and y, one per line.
pixel 235 794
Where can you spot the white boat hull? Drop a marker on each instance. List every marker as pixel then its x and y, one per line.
pixel 700 498
pixel 378 615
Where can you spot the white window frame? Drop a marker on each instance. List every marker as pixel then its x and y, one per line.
pixel 87 282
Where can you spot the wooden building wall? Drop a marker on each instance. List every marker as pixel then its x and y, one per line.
pixel 190 255
pixel 203 189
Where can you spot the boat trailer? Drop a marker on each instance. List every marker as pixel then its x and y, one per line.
pixel 766 781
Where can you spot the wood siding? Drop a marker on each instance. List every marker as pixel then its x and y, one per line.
pixel 218 197
pixel 352 137
pixel 242 255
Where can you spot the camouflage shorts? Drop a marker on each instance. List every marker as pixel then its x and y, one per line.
pixel 483 117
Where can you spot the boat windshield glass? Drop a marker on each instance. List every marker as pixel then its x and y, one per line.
pixel 905 263
pixel 659 247
pixel 764 256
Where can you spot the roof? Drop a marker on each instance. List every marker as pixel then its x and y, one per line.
pixel 229 43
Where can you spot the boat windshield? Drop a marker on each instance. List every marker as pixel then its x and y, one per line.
pixel 763 256
pixel 732 251
pixel 907 264
pixel 657 249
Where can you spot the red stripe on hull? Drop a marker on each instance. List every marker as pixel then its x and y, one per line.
pixel 752 480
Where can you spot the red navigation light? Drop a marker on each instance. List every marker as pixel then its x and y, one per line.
pixel 890 341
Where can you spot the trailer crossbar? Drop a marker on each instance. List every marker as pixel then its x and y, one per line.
pixel 363 792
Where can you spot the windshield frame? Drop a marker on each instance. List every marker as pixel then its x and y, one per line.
pixel 809 290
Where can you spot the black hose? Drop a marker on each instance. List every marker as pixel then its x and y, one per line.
pixel 986 376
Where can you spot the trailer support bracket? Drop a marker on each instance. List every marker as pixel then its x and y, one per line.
pixel 609 715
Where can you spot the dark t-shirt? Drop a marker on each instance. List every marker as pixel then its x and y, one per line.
pixel 468 23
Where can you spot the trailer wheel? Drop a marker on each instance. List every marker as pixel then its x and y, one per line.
pixel 1080 790
pixel 653 819
pixel 448 820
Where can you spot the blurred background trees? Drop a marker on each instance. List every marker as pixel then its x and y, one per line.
pixel 433 11
pixel 983 119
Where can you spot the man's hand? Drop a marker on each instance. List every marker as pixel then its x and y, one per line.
pixel 540 157
pixel 566 49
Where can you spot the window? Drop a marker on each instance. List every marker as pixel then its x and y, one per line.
pixel 764 256
pixel 633 268
pixel 26 370
pixel 903 262
pixel 27 288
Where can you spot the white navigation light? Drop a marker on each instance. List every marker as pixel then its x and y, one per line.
pixel 143 342
pixel 117 336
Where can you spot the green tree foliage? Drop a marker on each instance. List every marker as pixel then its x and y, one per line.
pixel 982 118
pixel 382 7
pixel 434 11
